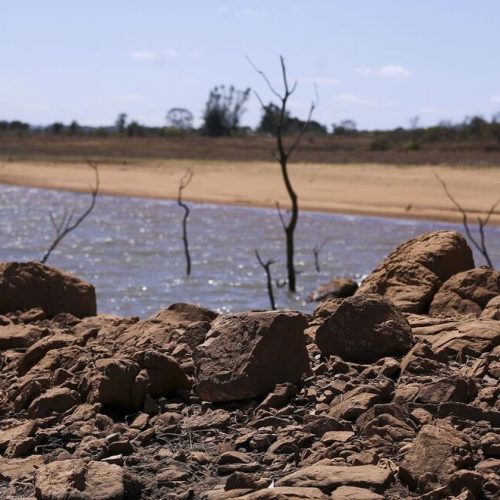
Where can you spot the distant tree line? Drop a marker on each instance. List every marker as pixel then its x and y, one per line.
pixel 225 107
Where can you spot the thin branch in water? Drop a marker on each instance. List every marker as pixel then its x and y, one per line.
pixel 183 184
pixel 482 223
pixel 66 225
pixel 267 268
pixel 281 284
pixel 316 251
pixel 280 214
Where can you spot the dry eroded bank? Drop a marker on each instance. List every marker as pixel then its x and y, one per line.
pixel 409 191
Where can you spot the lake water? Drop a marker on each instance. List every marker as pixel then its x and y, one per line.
pixel 130 249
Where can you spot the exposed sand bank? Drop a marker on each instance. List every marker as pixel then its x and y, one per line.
pixel 406 191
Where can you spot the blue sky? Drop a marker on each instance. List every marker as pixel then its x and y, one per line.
pixel 379 62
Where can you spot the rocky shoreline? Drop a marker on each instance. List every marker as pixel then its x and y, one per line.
pixel 390 393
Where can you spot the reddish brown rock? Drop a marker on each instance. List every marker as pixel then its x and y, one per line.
pixel 40 348
pixel 27 285
pixel 389 421
pixel 329 477
pixel 472 337
pixel 246 355
pixel 492 309
pixel 285 493
pixel 363 329
pixel 466 293
pixel 14 468
pixel 451 388
pixel 164 375
pixel 182 314
pixel 353 493
pixel 57 400
pixel 217 419
pixel 80 480
pixel 437 452
pixel 339 288
pixel 412 273
pixel 18 336
pixel 114 385
pixel 351 405
pixel 16 432
pixel 121 383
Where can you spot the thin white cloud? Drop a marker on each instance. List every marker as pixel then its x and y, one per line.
pixel 495 99
pixel 386 71
pixel 154 56
pixel 353 99
pixel 196 54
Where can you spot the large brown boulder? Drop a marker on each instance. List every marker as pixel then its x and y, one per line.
pixel 466 293
pixel 245 355
pixel 363 329
pixel 26 285
pixel 412 273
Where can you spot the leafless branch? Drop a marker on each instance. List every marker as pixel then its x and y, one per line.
pixel 66 224
pixel 280 214
pixel 264 76
pixel 183 184
pixel 284 154
pixel 316 251
pixel 267 268
pixel 482 223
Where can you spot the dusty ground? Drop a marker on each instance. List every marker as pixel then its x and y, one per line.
pixel 374 189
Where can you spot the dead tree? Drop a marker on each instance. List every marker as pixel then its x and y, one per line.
pixel 284 152
pixel 481 222
pixel 316 251
pixel 267 268
pixel 67 223
pixel 185 180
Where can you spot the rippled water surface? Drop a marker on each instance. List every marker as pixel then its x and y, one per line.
pixel 131 249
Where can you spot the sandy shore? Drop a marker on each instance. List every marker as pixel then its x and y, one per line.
pixel 405 191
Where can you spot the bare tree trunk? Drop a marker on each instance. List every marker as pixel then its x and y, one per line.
pixel 284 154
pixel 67 224
pixel 185 180
pixel 267 268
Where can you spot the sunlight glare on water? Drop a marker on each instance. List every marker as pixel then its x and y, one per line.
pixel 130 249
